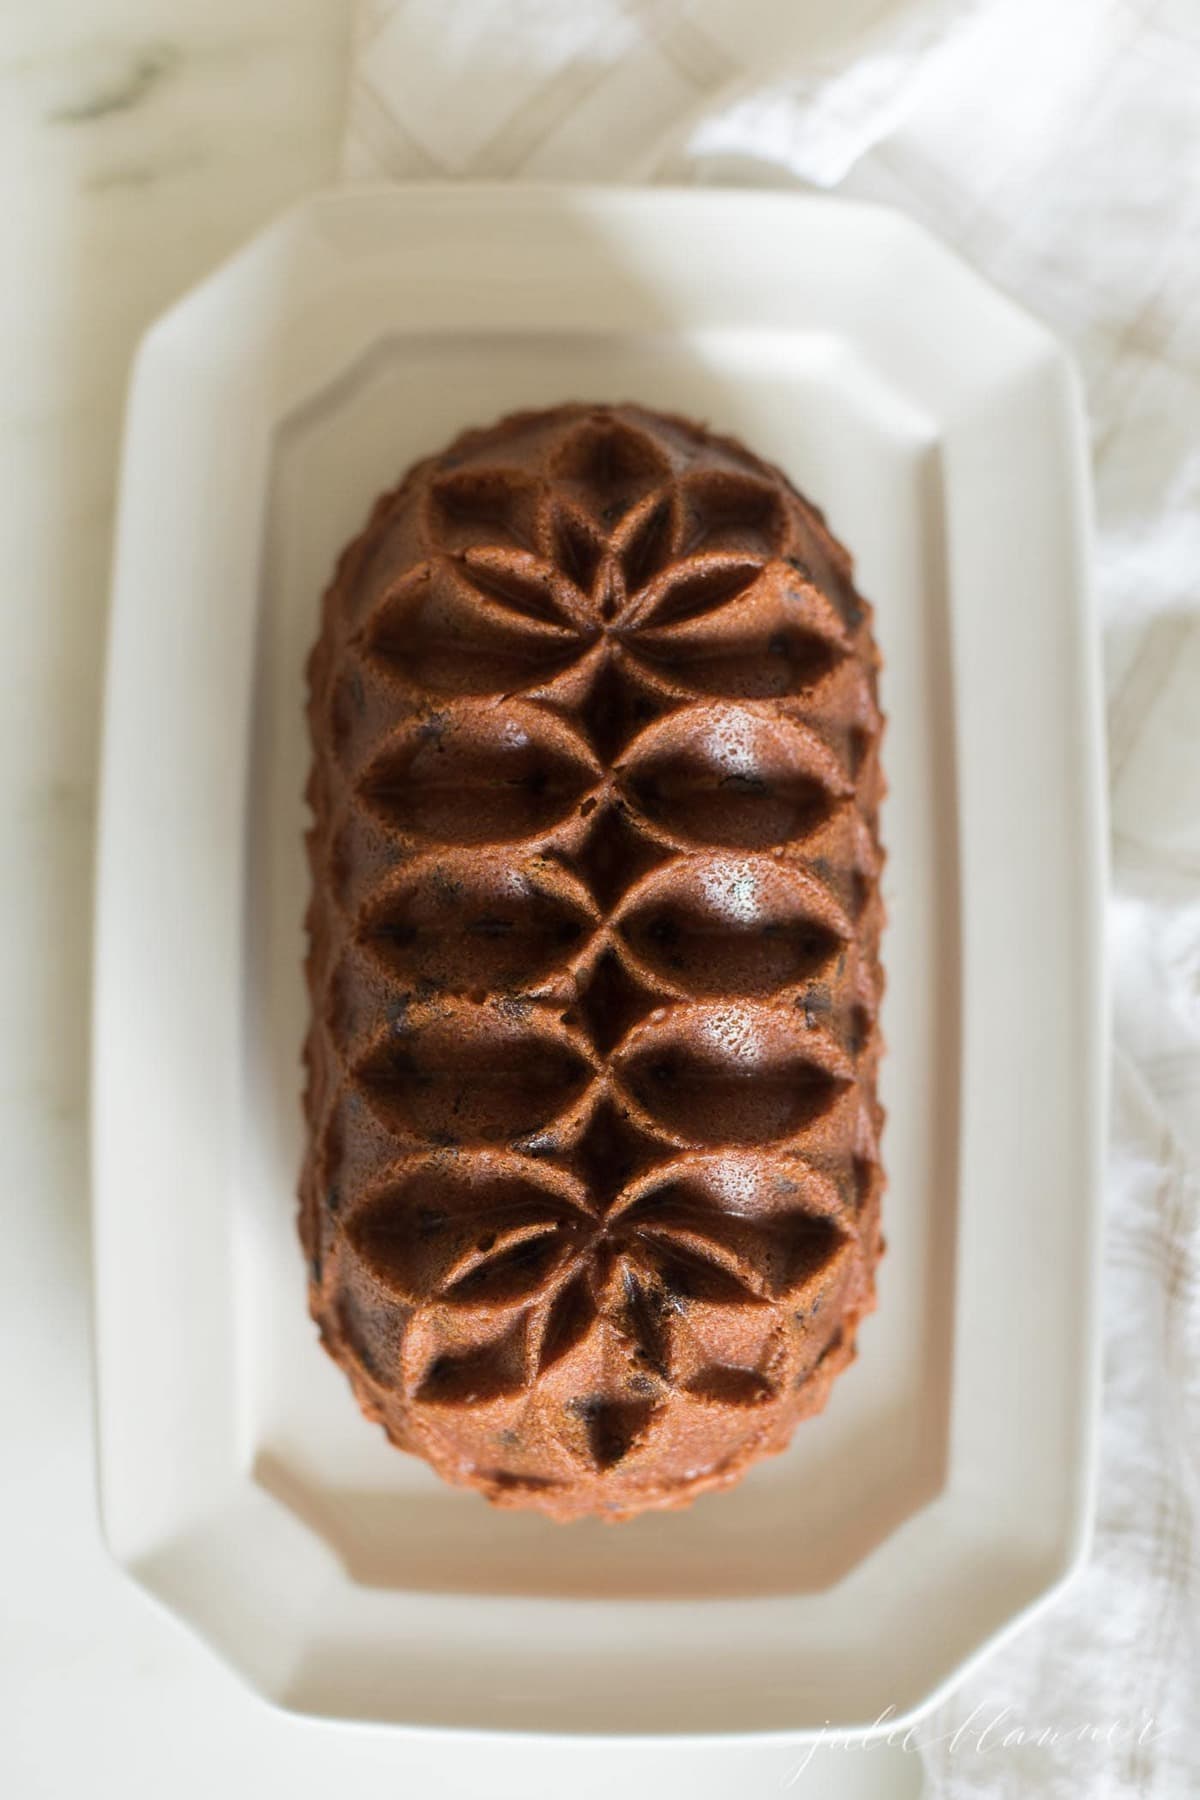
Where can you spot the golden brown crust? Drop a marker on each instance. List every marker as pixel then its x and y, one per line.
pixel 591 1198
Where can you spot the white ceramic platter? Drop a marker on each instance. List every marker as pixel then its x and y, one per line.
pixel 946 1490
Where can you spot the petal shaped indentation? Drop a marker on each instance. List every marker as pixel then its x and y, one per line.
pixel 760 660
pixel 434 1230
pixel 612 1429
pixel 473 1075
pixel 731 512
pixel 570 1318
pixel 576 547
pixel 733 925
pixel 607 468
pixel 612 1153
pixel 523 583
pixel 612 1001
pixel 616 853
pixel 479 1375
pixel 735 1212
pixel 694 589
pixel 649 542
pixel 470 923
pixel 478 777
pixel 482 506
pixel 728 776
pixel 729 1075
pixel 438 632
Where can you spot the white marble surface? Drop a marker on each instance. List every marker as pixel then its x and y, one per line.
pixel 142 140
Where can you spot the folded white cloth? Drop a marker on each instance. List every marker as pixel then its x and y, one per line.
pixel 1056 144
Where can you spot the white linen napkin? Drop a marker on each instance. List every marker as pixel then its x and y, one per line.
pixel 1056 144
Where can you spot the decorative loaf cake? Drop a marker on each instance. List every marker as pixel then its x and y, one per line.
pixel 591 1196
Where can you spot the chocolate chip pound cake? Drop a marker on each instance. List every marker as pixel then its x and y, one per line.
pixel 591 1196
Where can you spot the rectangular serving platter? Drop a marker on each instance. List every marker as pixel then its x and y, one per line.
pixel 945 1493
